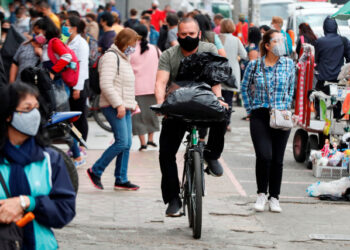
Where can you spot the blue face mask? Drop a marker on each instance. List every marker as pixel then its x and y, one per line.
pixel 65 31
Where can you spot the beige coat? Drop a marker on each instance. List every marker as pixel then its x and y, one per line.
pixel 116 89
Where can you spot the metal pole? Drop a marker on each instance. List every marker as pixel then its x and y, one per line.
pixel 250 11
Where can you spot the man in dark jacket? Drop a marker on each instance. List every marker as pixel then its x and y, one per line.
pixel 330 52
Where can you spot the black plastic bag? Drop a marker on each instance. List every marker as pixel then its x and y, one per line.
pixel 206 67
pixel 194 102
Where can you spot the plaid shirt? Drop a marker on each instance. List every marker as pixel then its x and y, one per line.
pixel 280 79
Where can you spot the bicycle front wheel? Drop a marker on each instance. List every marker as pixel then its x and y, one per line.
pixel 98 115
pixel 197 194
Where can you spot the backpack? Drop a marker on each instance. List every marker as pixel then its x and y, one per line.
pixel 69 74
pixel 94 75
pixel 93 47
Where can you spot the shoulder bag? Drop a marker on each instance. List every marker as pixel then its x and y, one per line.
pixel 11 236
pixel 279 119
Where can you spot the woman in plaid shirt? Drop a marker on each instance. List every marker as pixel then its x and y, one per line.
pixel 269 143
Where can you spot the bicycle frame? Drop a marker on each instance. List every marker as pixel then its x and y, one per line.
pixel 192 145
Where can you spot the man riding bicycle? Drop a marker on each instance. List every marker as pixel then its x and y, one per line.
pixel 174 130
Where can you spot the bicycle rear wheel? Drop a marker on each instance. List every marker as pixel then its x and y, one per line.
pixel 196 195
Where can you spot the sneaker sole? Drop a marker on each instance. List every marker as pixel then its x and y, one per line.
pixel 212 174
pixel 275 211
pixel 126 189
pixel 174 215
pixel 93 182
pixel 259 210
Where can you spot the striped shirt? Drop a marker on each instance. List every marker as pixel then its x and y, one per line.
pixel 280 84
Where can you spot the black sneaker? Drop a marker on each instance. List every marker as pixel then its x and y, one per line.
pixel 126 186
pixel 151 143
pixel 143 148
pixel 174 207
pixel 96 181
pixel 214 168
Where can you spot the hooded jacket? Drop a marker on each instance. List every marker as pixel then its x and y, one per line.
pixel 330 51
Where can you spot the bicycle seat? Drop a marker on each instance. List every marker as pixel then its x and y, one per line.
pixel 62 116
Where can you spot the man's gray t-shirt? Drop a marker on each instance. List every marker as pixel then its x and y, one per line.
pixel 171 58
pixel 172 36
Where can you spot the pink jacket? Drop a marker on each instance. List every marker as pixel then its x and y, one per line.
pixel 145 68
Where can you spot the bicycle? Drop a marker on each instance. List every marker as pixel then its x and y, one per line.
pixel 193 186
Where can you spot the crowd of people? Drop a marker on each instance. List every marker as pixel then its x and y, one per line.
pixel 136 61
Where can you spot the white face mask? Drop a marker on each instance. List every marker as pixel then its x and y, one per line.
pixel 27 123
pixel 129 50
pixel 279 49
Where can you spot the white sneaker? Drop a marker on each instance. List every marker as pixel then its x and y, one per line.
pixel 275 205
pixel 260 203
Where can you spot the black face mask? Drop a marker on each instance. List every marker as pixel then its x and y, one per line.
pixel 154 7
pixel 188 43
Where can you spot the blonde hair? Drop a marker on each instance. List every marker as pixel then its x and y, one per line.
pixel 125 38
pixel 277 20
pixel 227 26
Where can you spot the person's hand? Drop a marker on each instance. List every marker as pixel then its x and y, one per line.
pixel 10 210
pixel 224 104
pixel 136 107
pixel 121 112
pixel 76 94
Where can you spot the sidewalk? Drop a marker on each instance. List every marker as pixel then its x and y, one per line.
pixel 111 219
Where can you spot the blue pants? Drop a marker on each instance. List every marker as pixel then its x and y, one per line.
pixel 122 130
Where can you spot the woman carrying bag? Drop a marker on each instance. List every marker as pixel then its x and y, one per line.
pixel 267 91
pixel 35 176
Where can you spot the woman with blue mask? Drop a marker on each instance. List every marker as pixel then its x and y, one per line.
pixel 73 28
pixel 34 175
pixel 268 83
pixel 117 102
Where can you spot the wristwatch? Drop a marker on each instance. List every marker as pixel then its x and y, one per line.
pixel 221 98
pixel 23 202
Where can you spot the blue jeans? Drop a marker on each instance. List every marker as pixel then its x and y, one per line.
pixel 122 130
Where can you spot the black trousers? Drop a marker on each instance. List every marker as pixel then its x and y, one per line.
pixel 171 136
pixel 270 145
pixel 228 96
pixel 80 105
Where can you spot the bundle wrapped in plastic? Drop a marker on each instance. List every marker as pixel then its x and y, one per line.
pixel 194 101
pixel 206 67
pixel 334 188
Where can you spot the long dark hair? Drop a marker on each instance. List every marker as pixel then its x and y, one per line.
pixel 78 23
pixel 305 30
pixel 143 32
pixel 51 30
pixel 265 40
pixel 10 97
pixel 254 35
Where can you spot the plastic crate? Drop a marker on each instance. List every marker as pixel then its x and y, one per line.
pixel 329 172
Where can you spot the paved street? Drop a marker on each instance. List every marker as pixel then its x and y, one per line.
pixel 111 219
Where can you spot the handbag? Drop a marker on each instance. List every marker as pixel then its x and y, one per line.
pixel 279 119
pixel 11 236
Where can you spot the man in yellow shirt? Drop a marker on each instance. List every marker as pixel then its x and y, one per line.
pixel 42 6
